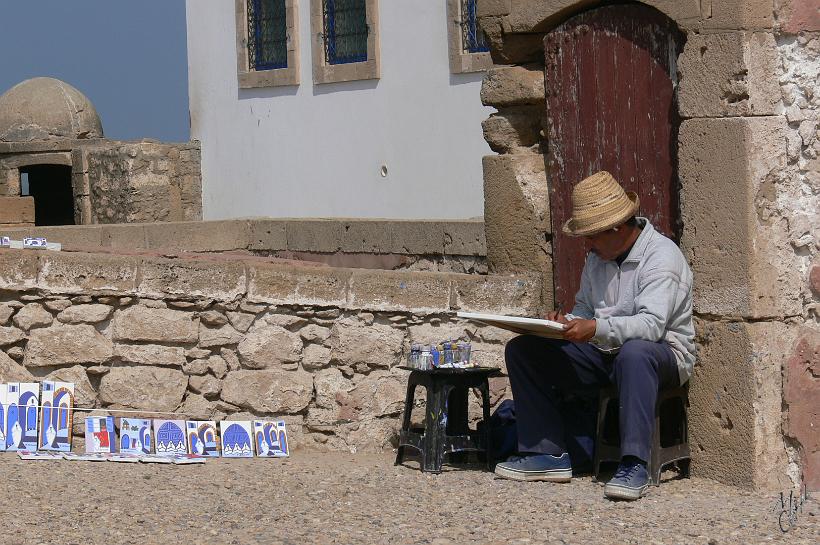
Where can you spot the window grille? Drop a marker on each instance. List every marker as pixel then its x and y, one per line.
pixel 345 31
pixel 267 35
pixel 473 39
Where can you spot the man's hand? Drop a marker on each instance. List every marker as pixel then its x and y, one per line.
pixel 579 331
pixel 557 316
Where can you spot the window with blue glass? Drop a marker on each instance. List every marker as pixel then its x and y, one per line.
pixel 267 35
pixel 345 31
pixel 472 37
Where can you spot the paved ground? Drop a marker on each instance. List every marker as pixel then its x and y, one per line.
pixel 338 498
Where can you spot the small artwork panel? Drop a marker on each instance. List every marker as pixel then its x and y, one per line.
pixel 236 439
pixel 202 437
pixel 100 436
pixel 28 401
pixel 13 431
pixel 4 409
pixel 135 436
pixel 271 438
pixel 56 416
pixel 169 437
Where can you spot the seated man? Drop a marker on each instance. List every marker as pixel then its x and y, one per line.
pixel 631 326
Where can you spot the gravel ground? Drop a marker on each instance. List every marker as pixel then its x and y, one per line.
pixel 343 498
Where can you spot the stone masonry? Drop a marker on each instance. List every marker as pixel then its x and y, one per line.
pixel 233 339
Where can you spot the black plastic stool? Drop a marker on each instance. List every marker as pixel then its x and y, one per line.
pixel 446 429
pixel 674 429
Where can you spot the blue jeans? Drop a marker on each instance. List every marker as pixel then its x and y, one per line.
pixel 540 369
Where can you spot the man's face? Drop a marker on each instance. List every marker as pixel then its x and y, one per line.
pixel 609 244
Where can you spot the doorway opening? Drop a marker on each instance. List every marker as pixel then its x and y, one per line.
pixel 50 185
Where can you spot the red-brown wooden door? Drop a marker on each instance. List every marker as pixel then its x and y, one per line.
pixel 610 78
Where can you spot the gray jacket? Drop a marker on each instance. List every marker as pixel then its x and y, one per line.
pixel 648 297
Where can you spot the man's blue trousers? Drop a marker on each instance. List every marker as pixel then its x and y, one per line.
pixel 540 370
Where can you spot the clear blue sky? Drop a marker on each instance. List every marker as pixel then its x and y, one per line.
pixel 128 58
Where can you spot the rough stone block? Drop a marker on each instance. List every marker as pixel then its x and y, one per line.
pixel 268 346
pixel 267 235
pixel 155 325
pixel 493 294
pixel 735 399
pixel 188 279
pixel 801 392
pixel 62 272
pixel 798 16
pixel 397 290
pixel 355 343
pixel 151 354
pixel 17 210
pixel 729 74
pixel 366 236
pixel 31 316
pixel 10 335
pixel 514 130
pixel 123 237
pixel 269 391
pixel 322 286
pixel 529 16
pixel 725 168
pixel 11 371
pixel 417 237
pixel 210 337
pixel 513 86
pixel 18 269
pixel 198 236
pixel 314 235
pixel 67 345
pixel 740 15
pixel 465 238
pixel 85 314
pixel 78 237
pixel 147 388
pixel 516 212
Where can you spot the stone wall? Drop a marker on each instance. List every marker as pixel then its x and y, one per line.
pixel 443 246
pixel 115 182
pixel 134 182
pixel 226 338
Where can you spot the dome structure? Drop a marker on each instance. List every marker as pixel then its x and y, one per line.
pixel 44 109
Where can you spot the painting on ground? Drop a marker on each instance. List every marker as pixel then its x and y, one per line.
pixel 135 436
pixel 100 436
pixel 236 439
pixel 202 437
pixel 56 416
pixel 169 437
pixel 271 438
pixel 4 409
pixel 22 400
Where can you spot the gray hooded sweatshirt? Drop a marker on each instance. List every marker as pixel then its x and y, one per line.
pixel 648 297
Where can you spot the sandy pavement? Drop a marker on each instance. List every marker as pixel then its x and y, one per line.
pixel 344 498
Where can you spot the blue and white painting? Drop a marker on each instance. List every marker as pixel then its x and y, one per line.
pixel 135 436
pixel 236 439
pixel 56 416
pixel 100 435
pixel 271 438
pixel 169 437
pixel 202 437
pixel 21 417
pixel 4 409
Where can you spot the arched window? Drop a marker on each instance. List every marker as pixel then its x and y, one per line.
pixel 63 424
pixel 125 443
pixel 46 422
pixel 31 416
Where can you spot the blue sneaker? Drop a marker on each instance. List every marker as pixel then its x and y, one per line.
pixel 536 467
pixel 629 483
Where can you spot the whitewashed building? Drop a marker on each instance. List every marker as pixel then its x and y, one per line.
pixel 337 108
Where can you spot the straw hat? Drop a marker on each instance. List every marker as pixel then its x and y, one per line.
pixel 599 203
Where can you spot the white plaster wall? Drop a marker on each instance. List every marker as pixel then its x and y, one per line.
pixel 317 150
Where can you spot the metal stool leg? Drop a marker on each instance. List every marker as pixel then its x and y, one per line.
pixel 408 410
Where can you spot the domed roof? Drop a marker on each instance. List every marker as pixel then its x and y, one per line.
pixel 45 108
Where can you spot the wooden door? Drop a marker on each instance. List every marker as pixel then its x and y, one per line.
pixel 610 78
